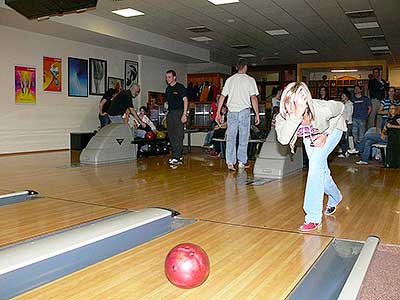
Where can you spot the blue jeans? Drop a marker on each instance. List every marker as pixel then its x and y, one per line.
pixel 359 127
pixel 116 119
pixel 319 179
pixel 208 138
pixel 104 120
pixel 237 121
pixel 369 139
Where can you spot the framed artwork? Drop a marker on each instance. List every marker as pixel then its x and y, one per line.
pixel 131 73
pixel 52 74
pixel 115 83
pixel 25 85
pixel 98 76
pixel 77 77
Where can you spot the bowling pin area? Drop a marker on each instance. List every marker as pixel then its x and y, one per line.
pixel 141 230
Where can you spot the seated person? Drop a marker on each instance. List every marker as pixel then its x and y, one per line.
pixel 370 138
pixel 219 133
pixel 385 104
pixel 208 139
pixel 140 129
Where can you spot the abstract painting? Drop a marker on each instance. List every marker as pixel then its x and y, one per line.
pixel 25 85
pixel 131 73
pixel 115 83
pixel 77 77
pixel 98 76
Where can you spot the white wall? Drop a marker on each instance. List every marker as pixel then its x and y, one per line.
pixel 47 124
pixel 153 75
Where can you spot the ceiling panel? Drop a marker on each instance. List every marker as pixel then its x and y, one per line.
pixel 313 24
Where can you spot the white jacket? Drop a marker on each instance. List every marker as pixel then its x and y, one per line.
pixel 328 115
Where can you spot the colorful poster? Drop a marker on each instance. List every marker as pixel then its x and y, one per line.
pixel 52 74
pixel 98 76
pixel 131 73
pixel 77 77
pixel 115 83
pixel 25 85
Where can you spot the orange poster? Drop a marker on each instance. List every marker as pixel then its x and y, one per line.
pixel 52 72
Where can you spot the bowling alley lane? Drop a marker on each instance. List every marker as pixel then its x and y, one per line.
pixel 25 220
pixel 246 263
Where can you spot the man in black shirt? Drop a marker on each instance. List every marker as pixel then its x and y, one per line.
pixel 177 107
pixel 122 104
pixel 104 105
pixel 377 88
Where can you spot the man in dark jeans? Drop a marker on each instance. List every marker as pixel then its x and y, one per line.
pixel 176 117
pixel 376 88
pixel 104 105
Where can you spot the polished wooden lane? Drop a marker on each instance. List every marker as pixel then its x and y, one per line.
pixel 246 263
pixel 203 189
pixel 29 219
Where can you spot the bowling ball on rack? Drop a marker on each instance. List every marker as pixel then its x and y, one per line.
pixel 150 135
pixel 187 266
pixel 161 134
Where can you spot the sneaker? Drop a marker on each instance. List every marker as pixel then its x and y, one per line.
pixel 244 166
pixel 310 226
pixel 214 153
pixel 341 156
pixel 181 160
pixel 231 167
pixel 378 157
pixel 362 162
pixel 353 151
pixel 329 210
pixel 174 162
pixel 347 154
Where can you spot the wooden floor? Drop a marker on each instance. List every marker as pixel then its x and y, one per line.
pixel 204 190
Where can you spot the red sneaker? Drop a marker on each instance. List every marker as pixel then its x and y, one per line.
pixel 310 226
pixel 214 153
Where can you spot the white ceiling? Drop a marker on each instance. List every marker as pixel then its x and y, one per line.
pixel 313 24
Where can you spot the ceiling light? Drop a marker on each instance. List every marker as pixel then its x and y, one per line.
pixel 308 51
pixel 201 39
pixel 219 2
pixel 366 25
pixel 277 32
pixel 128 12
pixel 344 71
pixel 246 55
pixel 231 20
pixel 379 48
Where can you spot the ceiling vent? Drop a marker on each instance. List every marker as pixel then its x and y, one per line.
pixel 360 14
pixel 267 58
pixel 373 38
pixel 381 53
pixel 199 29
pixel 240 46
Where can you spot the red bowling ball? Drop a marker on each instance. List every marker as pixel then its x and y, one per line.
pixel 150 135
pixel 187 266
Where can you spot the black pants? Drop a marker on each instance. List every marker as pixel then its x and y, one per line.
pixel 175 132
